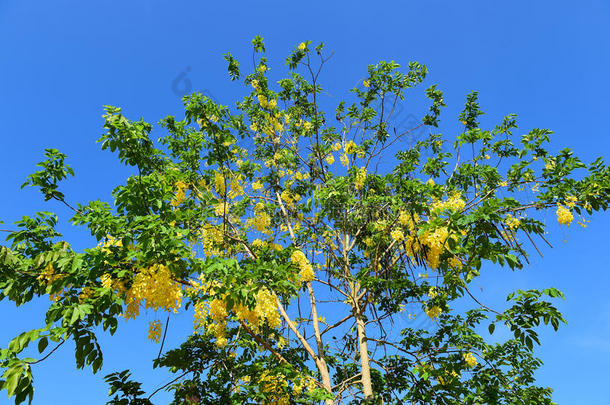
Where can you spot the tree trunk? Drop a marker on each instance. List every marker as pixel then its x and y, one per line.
pixel 365 368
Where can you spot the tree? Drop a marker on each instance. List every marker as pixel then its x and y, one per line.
pixel 296 265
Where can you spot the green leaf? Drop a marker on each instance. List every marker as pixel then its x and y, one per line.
pixel 42 344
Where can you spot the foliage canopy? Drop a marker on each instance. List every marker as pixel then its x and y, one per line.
pixel 298 266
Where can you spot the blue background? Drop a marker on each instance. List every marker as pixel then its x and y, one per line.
pixel 547 61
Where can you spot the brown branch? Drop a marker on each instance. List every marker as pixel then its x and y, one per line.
pixel 50 353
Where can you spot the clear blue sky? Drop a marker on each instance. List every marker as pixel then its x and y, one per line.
pixel 547 61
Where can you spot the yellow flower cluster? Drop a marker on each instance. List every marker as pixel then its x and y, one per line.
pixel 154 331
pixel 106 280
pixel 307 383
pixel 86 293
pixel 221 209
pixel 360 178
pixel 117 285
pixel 454 203
pixel 219 183
pixel 571 201
pixel 153 287
pixel 408 220
pixel 434 312
pixel 564 215
pixel 471 361
pixel 455 263
pixel 213 315
pixel 262 100
pixel 290 198
pixel 49 275
pixel 449 377
pixel 350 147
pixel 236 188
pixel 512 222
pixel 306 269
pixel 330 159
pixel 265 310
pixel 434 241
pixel 397 235
pixel 261 220
pixel 275 387
pixel 110 241
pixel 180 193
pixel 430 245
pixel 212 239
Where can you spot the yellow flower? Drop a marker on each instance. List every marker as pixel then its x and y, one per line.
pixel 471 361
pixel 434 312
pixel 257 185
pixel 106 280
pixel 350 147
pixel 344 160
pixel 330 159
pixel 155 288
pixel 302 46
pixel 219 183
pixel 571 201
pixel 272 103
pixel 487 157
pixel 337 146
pixel 397 235
pixel 307 126
pixel 154 331
pixel 262 100
pixel 262 68
pixel 366 83
pixel 455 263
pixel 306 273
pixel 564 215
pixel 180 193
pixel 360 178
pixel 512 222
pixel 221 209
pixel 464 123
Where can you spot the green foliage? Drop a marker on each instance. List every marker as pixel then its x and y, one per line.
pixel 298 267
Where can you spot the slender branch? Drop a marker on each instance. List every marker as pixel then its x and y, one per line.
pixel 164 335
pixel 48 354
pixel 169 383
pixel 342 321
